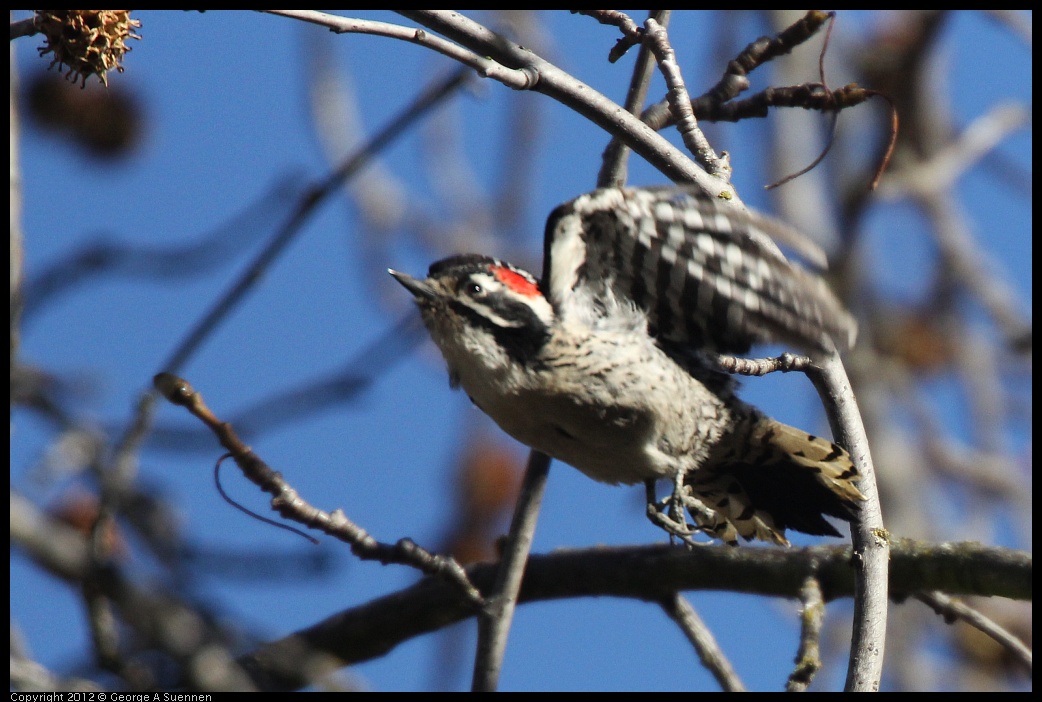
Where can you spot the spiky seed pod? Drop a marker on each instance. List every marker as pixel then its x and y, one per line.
pixel 88 42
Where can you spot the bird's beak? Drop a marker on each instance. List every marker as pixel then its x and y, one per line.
pixel 419 288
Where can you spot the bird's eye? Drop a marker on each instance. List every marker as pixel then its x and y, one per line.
pixel 473 289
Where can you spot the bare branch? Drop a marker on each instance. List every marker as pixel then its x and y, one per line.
pixel 870 538
pixel 613 161
pixel 498 612
pixel 516 79
pixel 648 573
pixel 573 93
pixel 700 636
pixel 289 504
pixel 952 609
pixel 680 103
pixel 808 658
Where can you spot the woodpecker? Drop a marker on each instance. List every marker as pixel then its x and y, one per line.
pixel 610 361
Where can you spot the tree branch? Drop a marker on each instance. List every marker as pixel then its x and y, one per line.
pixel 648 573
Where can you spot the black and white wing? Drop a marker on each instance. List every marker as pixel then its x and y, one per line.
pixel 707 275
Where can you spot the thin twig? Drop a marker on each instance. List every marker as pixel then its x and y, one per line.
pixel 716 103
pixel 290 505
pixel 516 79
pixel 497 614
pixel 616 154
pixel 680 103
pixel 808 657
pixel 632 35
pixel 700 636
pixel 952 609
pixel 555 83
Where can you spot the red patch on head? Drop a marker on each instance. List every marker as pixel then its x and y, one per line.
pixel 515 281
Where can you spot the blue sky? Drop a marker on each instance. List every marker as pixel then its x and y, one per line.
pixel 226 114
